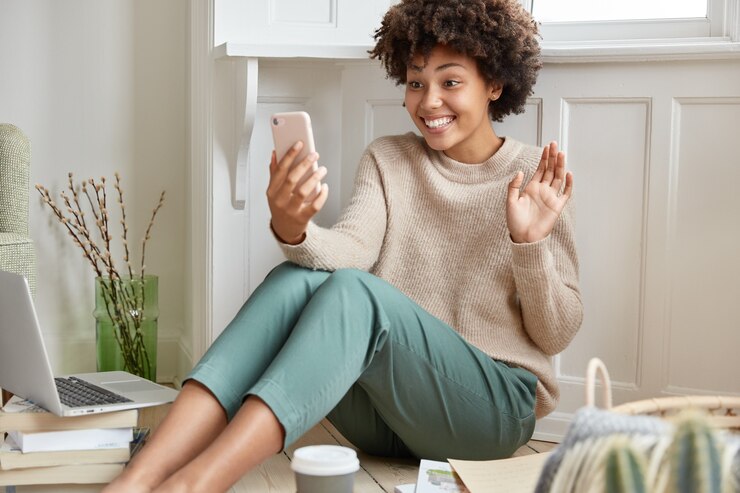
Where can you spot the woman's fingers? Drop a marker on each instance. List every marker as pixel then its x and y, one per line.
pixel 273 162
pixel 515 188
pixel 296 174
pixel 557 181
pixel 292 193
pixel 285 164
pixel 540 171
pixel 272 184
pixel 552 159
pixel 568 186
pixel 290 156
pixel 310 209
pixel 309 188
pixel 290 189
pixel 279 169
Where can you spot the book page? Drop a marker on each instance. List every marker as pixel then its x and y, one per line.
pixel 438 477
pixel 85 439
pixel 19 405
pixel 515 475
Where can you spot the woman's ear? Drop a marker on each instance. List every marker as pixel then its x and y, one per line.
pixel 496 88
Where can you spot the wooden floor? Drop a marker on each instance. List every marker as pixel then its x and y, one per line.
pixel 376 475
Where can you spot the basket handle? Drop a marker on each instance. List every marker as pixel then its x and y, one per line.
pixel 594 366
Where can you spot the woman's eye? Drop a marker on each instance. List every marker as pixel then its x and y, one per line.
pixel 414 84
pixel 451 83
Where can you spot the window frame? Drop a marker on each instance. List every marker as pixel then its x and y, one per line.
pixel 722 24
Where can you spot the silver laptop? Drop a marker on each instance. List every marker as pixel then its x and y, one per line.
pixel 26 372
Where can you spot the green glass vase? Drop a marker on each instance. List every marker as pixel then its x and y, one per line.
pixel 126 313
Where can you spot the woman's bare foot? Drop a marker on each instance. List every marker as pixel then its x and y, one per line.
pixel 118 486
pixel 126 484
pixel 177 484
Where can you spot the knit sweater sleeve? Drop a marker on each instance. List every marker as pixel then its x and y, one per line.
pixel 355 240
pixel 546 277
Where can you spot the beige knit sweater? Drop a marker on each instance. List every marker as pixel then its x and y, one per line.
pixel 436 229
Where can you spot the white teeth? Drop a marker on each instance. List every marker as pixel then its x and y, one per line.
pixel 440 122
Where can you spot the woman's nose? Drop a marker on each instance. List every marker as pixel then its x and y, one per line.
pixel 431 99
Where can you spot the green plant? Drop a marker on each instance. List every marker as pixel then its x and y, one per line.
pixel 124 297
pixel 625 467
pixel 694 456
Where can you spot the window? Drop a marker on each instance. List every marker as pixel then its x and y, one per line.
pixel 601 20
pixel 609 10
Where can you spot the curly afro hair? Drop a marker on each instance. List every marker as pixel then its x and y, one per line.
pixel 498 34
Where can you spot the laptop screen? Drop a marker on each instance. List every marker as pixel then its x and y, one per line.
pixel 24 363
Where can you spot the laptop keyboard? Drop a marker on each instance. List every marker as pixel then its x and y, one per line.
pixel 75 392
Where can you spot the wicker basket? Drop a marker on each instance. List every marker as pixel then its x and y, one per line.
pixel 722 411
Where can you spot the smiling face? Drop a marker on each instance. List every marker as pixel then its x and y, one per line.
pixel 447 98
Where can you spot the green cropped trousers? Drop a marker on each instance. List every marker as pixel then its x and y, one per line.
pixel 393 379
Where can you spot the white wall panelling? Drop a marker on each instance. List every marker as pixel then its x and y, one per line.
pixel 611 245
pixel 368 101
pixel 292 13
pixel 703 285
pixel 384 117
pixel 330 22
pixel 527 126
pixel 640 182
pixel 649 143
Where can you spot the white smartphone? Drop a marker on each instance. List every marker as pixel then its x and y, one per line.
pixel 287 129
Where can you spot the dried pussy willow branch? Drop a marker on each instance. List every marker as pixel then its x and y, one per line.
pixel 124 303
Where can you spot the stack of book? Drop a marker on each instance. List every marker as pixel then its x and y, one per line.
pixel 42 448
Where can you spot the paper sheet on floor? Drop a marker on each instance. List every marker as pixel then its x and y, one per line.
pixel 515 475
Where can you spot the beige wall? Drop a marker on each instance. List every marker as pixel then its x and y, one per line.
pixel 100 86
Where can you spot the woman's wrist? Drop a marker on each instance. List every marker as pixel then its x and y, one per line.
pixel 294 241
pixel 521 240
pixel 526 240
pixel 288 239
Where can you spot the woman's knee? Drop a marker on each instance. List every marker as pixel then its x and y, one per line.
pixel 287 268
pixel 287 285
pixel 353 285
pixel 350 277
pixel 289 275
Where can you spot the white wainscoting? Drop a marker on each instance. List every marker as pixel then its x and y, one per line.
pixel 702 287
pixel 653 150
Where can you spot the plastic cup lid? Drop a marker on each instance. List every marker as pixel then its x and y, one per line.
pixel 325 460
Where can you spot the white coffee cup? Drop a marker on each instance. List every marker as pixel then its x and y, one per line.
pixel 325 469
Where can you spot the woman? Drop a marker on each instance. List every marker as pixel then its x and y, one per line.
pixel 422 323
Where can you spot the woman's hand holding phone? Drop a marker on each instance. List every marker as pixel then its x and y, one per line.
pixel 292 195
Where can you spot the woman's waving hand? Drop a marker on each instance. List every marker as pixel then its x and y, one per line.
pixel 531 212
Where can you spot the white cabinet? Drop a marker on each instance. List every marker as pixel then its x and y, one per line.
pixel 316 22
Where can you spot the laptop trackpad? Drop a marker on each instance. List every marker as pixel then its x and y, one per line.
pixel 131 386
